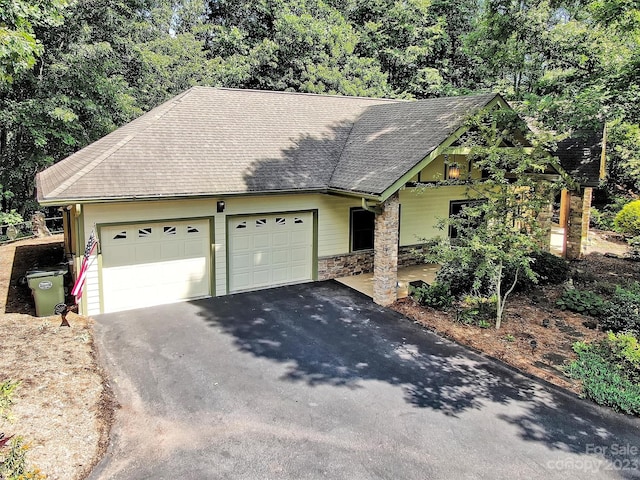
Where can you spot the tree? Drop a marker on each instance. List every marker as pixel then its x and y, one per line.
pixel 499 236
pixel 76 93
pixel 19 46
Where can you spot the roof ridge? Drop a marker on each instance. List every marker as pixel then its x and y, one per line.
pixel 100 158
pixel 309 94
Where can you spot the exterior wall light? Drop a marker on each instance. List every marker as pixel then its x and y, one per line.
pixel 220 206
pixel 454 172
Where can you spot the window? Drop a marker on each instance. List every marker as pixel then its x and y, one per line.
pixel 281 221
pixel 261 222
pixel 144 232
pixel 362 228
pixel 191 229
pixel 456 208
pixel 169 230
pixel 121 236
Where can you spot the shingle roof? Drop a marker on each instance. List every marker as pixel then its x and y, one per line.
pixel 214 141
pixel 388 140
pixel 579 156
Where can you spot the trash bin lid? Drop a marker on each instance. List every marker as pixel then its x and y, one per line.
pixel 47 271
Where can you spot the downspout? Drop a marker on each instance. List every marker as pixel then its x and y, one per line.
pixel 377 209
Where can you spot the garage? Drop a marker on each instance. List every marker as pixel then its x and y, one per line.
pixel 268 250
pixel 153 263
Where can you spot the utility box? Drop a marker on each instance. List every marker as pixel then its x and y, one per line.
pixel 47 287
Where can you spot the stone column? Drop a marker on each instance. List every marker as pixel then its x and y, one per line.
pixel 577 230
pixel 385 251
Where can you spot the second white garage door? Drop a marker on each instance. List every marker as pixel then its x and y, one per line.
pixel 154 263
pixel 268 250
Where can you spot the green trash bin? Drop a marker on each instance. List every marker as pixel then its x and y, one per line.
pixel 47 287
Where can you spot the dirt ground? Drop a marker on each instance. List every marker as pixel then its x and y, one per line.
pixel 523 321
pixel 63 407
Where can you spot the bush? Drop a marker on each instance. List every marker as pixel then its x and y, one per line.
pixel 10 218
pixel 460 276
pixel 610 371
pixel 7 389
pixel 634 245
pixel 437 295
pixel 627 220
pixel 581 301
pixel 551 269
pixel 622 311
pixel 478 310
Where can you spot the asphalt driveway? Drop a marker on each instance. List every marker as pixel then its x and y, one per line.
pixel 316 381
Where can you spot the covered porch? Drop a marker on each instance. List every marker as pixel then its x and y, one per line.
pixel 364 282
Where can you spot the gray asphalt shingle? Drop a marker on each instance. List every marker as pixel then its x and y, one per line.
pixel 212 141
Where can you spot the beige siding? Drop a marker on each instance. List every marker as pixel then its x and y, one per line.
pixel 436 170
pixel 332 217
pixel 420 210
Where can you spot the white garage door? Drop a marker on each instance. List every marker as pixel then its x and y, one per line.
pixel 267 250
pixel 154 263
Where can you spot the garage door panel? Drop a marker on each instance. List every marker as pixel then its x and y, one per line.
pixel 242 243
pixel 154 263
pixel 281 275
pixel 196 248
pixel 261 240
pixel 281 239
pixel 261 259
pixel 279 243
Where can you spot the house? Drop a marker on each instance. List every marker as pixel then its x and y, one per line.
pixel 220 191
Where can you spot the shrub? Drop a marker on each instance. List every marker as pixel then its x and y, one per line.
pixel 634 245
pixel 10 218
pixel 551 269
pixel 622 311
pixel 581 301
pixel 609 371
pixel 13 462
pixel 7 389
pixel 460 276
pixel 437 295
pixel 627 220
pixel 478 310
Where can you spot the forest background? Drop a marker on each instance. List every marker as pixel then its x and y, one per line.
pixel 72 71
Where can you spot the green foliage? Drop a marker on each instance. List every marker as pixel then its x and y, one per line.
pixel 10 218
pixel 622 311
pixel 627 220
pixel 568 65
pixel 7 390
pixel 549 268
pixel 478 310
pixel 437 295
pixel 581 301
pixel 458 274
pixel 634 244
pixel 13 462
pixel 610 372
pixel 496 238
pixel 19 46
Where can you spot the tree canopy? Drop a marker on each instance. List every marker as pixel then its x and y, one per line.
pixel 70 72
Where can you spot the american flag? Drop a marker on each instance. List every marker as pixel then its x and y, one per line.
pixel 82 274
